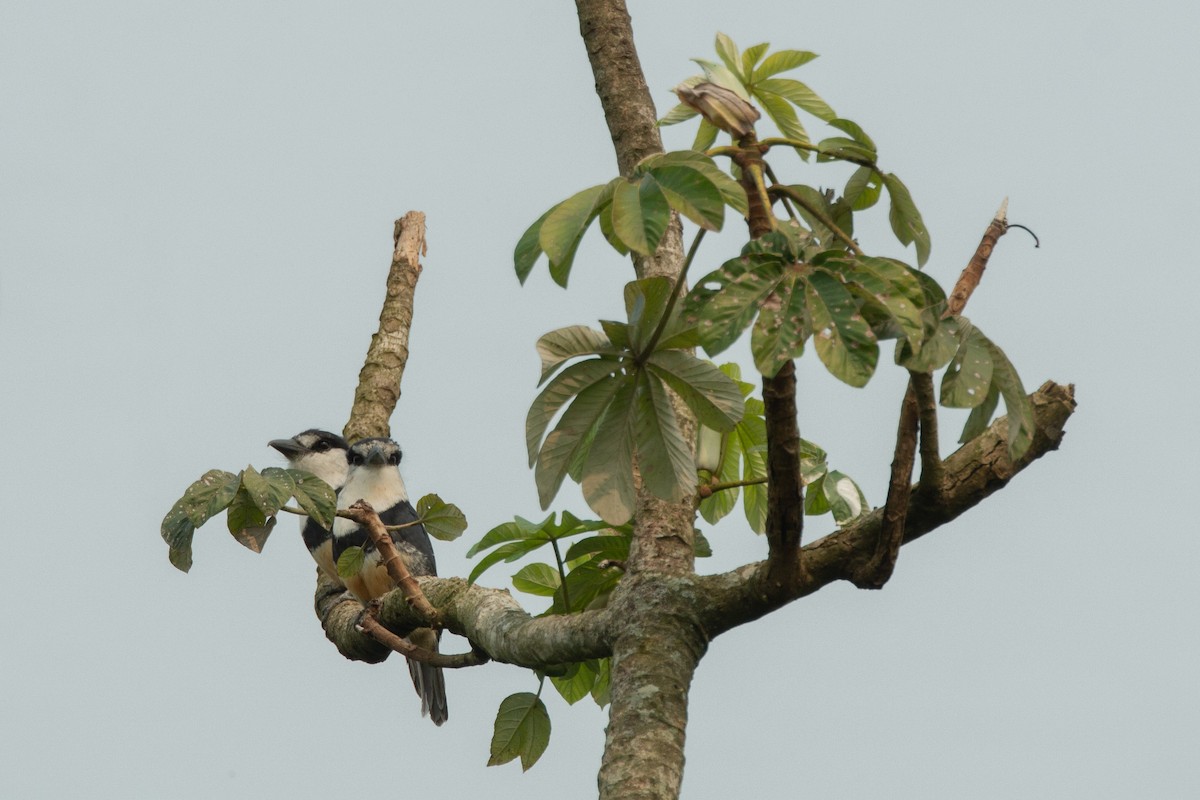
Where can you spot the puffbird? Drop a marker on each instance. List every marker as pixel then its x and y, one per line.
pixel 375 477
pixel 323 454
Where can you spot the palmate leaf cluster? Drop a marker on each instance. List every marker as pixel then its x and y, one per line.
pixel 252 500
pixel 618 405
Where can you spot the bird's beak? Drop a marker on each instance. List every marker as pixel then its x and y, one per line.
pixel 289 447
pixel 375 456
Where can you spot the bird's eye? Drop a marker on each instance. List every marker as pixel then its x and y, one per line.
pixel 394 459
pixel 355 459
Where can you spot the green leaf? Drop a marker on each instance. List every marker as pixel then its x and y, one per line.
pixel 522 730
pixel 506 552
pixel 608 473
pixel 576 683
pixel 892 288
pixel 845 499
pixel 969 376
pixel 537 579
pixel 782 114
pixel 700 544
pixel 750 58
pixel 559 346
pixel 856 132
pixel 443 521
pixel 589 587
pixel 936 351
pixel 209 495
pixel 731 191
pixel 842 338
pixel 664 458
pixel 640 214
pixel 981 415
pixel 690 192
pixel 529 248
pixel 176 531
pixel 315 497
pixel 725 301
pixel 841 148
pixel 721 75
pixel 1003 376
pixel 520 528
pixel 572 432
pixel 706 134
pixel 566 385
pixel 782 61
pixel 710 394
pixel 606 228
pixel 603 548
pixel 351 562
pixel 601 691
pixel 906 220
pixel 798 94
pixel 863 189
pixel 564 226
pixel 645 302
pixel 244 513
pixel 680 113
pixel 728 52
pixel 268 491
pixel 782 327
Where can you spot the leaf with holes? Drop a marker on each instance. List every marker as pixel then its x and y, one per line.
pixel 783 325
pixel 724 302
pixel 969 376
pixel 314 496
pixel 843 340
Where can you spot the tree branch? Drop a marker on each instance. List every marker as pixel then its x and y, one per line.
pixel 931 462
pixel 973 273
pixel 378 387
pixel 404 647
pixel 878 569
pixel 973 472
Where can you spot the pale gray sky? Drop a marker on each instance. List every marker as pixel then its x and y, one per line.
pixel 197 208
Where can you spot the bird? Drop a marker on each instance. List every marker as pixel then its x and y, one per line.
pixel 375 477
pixel 323 454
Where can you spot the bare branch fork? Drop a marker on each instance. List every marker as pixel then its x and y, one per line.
pixel 919 410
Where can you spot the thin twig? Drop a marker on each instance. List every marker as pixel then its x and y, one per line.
pixel 373 628
pixel 675 290
pixel 709 489
pixel 362 513
pixel 787 204
pixel 787 191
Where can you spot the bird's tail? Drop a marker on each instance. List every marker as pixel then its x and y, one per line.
pixel 427 679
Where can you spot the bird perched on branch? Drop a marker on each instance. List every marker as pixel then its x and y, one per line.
pixel 323 454
pixel 375 477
